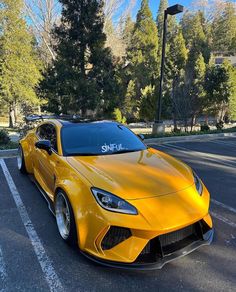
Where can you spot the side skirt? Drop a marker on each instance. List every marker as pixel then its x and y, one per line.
pixel 45 195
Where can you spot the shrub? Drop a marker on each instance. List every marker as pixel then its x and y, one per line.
pixel 118 116
pixel 4 137
pixel 205 128
pixel 220 125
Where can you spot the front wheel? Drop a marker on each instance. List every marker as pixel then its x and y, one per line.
pixel 21 160
pixel 65 218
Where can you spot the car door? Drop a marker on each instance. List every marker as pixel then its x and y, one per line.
pixel 47 163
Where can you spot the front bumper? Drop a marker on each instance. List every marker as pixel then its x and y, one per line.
pixel 208 237
pixel 204 237
pixel 166 227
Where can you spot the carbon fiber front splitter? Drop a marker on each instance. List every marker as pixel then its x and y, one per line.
pixel 208 237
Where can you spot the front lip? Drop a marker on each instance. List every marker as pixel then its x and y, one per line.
pixel 208 238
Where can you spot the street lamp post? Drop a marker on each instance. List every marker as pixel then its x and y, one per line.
pixel 158 125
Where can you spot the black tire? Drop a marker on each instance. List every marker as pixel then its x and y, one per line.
pixel 21 160
pixel 69 235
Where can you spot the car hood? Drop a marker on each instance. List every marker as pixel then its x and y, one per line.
pixel 136 175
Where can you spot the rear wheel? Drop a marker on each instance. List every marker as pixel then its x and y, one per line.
pixel 65 218
pixel 21 160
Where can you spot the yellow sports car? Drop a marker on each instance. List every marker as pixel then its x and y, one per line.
pixel 123 203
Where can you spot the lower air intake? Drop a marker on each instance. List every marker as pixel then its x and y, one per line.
pixel 173 237
pixel 114 236
pixel 166 244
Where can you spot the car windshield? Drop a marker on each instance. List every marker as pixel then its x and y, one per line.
pixel 99 139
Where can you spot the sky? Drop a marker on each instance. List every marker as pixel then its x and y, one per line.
pixel 154 4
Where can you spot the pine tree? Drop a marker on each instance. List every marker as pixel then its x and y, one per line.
pixel 142 53
pixel 127 31
pixel 82 77
pixel 160 18
pixel 221 89
pixel 224 30
pixel 175 68
pixel 193 28
pixel 148 103
pixel 194 83
pixel 19 63
pixel 172 30
pixel 160 21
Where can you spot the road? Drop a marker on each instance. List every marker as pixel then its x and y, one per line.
pixel 34 258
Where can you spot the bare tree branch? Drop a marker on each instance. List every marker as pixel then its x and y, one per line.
pixel 211 8
pixel 43 15
pixel 116 12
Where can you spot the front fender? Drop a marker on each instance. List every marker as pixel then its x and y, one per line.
pixel 27 151
pixel 78 192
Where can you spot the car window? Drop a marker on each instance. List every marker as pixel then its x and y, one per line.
pixel 99 139
pixel 48 132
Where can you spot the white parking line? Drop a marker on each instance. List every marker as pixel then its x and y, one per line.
pixel 51 277
pixel 223 206
pixel 223 219
pixel 3 271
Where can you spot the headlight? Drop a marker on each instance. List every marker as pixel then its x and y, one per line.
pixel 113 203
pixel 198 183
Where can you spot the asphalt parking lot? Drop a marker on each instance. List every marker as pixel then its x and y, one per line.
pixel 34 258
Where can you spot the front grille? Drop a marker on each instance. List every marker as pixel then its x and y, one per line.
pixel 168 243
pixel 114 236
pixel 178 235
pixel 173 241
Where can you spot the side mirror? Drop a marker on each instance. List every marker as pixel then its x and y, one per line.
pixel 44 145
pixel 141 136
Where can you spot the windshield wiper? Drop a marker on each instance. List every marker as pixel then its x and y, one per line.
pixel 102 154
pixel 81 154
pixel 124 151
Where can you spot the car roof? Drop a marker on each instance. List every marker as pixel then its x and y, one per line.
pixel 66 123
pixel 66 120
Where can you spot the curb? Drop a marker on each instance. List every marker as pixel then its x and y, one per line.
pixel 203 137
pixel 8 153
pixel 13 152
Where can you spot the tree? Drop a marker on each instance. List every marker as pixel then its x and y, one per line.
pixel 142 55
pixel 43 15
pixel 114 40
pixel 224 30
pixel 82 76
pixel 160 18
pixel 194 31
pixel 175 67
pixel 148 103
pixel 209 8
pixel 129 100
pixel 127 31
pixel 117 14
pixel 19 63
pixel 220 89
pixel 232 99
pixel 194 83
pixel 171 24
